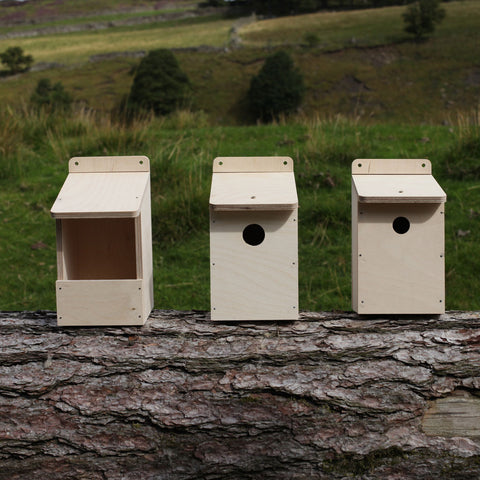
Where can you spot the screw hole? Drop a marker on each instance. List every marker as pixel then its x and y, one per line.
pixel 220 163
pixel 359 165
pixel 141 162
pixel 285 162
pixel 423 165
pixel 76 163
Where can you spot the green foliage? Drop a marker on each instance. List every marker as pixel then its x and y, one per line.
pixel 51 97
pixel 159 84
pixel 422 16
pixel 15 60
pixel 277 90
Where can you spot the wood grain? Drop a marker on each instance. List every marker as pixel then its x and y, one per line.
pixel 398 189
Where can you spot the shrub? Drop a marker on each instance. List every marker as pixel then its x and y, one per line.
pixel 421 17
pixel 159 84
pixel 311 39
pixel 51 97
pixel 278 88
pixel 15 60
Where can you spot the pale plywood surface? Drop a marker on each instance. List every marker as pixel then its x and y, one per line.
pixel 137 163
pixel 98 195
pixel 252 164
pixel 457 415
pixel 144 252
pixel 253 191
pixel 398 189
pixel 391 166
pixel 98 249
pixel 99 302
pixel 399 274
pixel 254 282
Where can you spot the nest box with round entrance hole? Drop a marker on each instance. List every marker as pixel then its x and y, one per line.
pixel 253 239
pixel 104 242
pixel 398 264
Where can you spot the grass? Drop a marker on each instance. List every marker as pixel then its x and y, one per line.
pixel 78 47
pixel 381 77
pixel 377 96
pixel 368 27
pixel 181 149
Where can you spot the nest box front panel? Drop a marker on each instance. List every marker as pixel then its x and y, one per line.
pixel 254 265
pixel 400 259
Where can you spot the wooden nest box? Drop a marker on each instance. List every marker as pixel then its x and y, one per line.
pixel 104 242
pixel 253 239
pixel 398 264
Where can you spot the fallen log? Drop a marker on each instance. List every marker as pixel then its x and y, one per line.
pixel 330 396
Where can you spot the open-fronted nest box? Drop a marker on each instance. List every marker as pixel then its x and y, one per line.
pixel 104 242
pixel 253 239
pixel 397 238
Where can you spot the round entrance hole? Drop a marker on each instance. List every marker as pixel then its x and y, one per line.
pixel 253 234
pixel 401 225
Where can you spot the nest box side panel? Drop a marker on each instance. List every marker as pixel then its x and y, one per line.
pixel 145 256
pixel 354 279
pixel 254 265
pixel 400 259
pixel 99 302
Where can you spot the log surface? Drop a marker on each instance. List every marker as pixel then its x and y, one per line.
pixel 330 396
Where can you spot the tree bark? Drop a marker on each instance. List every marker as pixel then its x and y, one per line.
pixel 329 396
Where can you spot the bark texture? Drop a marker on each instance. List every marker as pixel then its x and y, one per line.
pixel 330 396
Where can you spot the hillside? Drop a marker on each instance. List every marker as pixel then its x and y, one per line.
pixel 363 66
pixel 371 93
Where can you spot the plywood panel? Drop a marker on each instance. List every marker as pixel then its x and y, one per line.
pixel 254 282
pixel 398 189
pixel 99 302
pixel 391 166
pixel 253 191
pixel 354 219
pixel 132 163
pixel 145 255
pixel 400 273
pixel 252 164
pixel 98 248
pixel 101 195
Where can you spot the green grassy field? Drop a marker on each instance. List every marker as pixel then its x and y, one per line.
pixel 375 96
pixel 34 166
pixel 364 67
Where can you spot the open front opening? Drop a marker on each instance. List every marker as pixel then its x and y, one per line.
pixel 99 248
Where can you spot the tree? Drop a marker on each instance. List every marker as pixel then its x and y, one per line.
pixel 277 89
pixel 159 84
pixel 16 60
pixel 51 97
pixel 421 17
